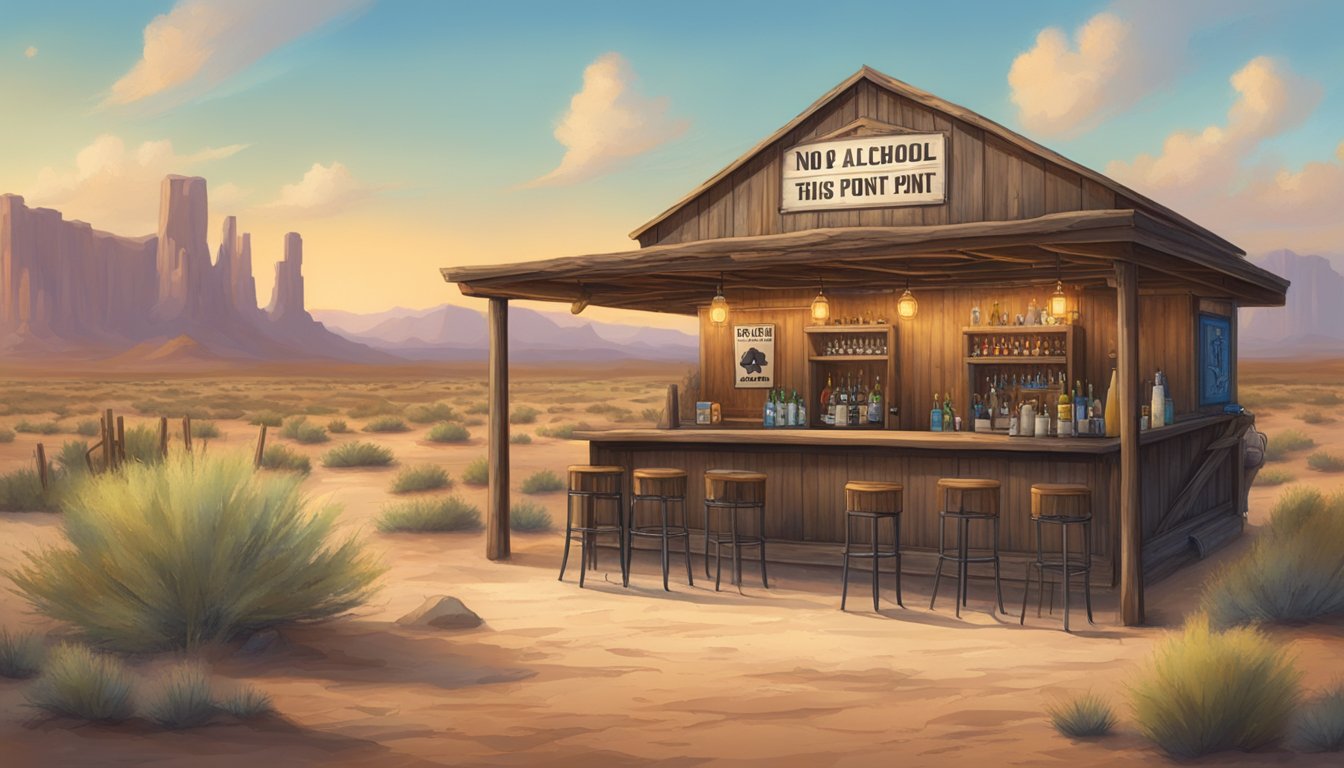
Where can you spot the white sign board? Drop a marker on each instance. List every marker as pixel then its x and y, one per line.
pixel 865 172
pixel 754 356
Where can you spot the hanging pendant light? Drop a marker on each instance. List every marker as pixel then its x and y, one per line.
pixel 906 306
pixel 718 308
pixel 821 306
pixel 1059 303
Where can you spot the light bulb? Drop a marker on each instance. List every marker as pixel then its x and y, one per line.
pixel 906 306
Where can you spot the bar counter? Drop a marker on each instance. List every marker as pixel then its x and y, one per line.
pixel 807 470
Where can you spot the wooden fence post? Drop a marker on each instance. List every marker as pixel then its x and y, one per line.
pixel 109 437
pixel 121 440
pixel 163 436
pixel 261 447
pixel 42 466
pixel 186 432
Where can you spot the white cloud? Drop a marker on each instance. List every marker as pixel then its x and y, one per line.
pixel 116 187
pixel 323 190
pixel 608 122
pixel 30 52
pixel 200 44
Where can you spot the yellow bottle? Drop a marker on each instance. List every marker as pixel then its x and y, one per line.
pixel 1113 407
pixel 1064 415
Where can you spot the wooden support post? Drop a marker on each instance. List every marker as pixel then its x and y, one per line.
pixel 261 447
pixel 42 466
pixel 673 408
pixel 163 436
pixel 1131 518
pixel 109 438
pixel 186 433
pixel 121 440
pixel 497 507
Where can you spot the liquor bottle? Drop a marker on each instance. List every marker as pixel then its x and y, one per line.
pixel 793 409
pixel 875 402
pixel 993 408
pixel 802 413
pixel 828 415
pixel 826 395
pixel 949 415
pixel 1079 404
pixel 1064 415
pixel 936 415
pixel 994 314
pixel 984 346
pixel 1158 406
pixel 842 405
pixel 769 420
pixel 854 404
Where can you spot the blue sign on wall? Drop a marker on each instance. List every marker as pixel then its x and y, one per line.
pixel 1215 359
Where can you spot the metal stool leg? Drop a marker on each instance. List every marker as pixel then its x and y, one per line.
pixel 998 588
pixel 718 561
pixel 844 570
pixel 569 534
pixel 1087 574
pixel 686 542
pixel 961 566
pixel 1064 575
pixel 875 562
pixel 664 540
pixel 628 542
pixel 708 512
pixel 942 550
pixel 764 582
pixel 737 547
pixel 896 534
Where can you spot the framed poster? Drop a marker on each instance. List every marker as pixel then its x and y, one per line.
pixel 754 356
pixel 1215 359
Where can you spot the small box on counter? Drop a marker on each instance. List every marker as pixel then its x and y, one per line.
pixel 707 413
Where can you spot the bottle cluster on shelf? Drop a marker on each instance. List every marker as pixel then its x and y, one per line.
pixel 849 345
pixel 943 417
pixel 1051 345
pixel 1039 379
pixel 784 409
pixel 1034 314
pixel 852 404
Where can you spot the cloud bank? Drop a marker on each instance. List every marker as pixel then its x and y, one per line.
pixel 323 190
pixel 608 122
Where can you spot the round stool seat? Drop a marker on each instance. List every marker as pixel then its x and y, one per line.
pixel 659 481
pixel 734 485
pixel 968 484
pixel 594 469
pixel 658 473
pixel 1060 489
pixel 1052 493
pixel 873 486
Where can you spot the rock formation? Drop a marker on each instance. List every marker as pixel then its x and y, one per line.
pixel 287 297
pixel 183 256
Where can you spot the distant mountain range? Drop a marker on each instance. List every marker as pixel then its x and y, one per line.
pixel 451 333
pixel 1311 325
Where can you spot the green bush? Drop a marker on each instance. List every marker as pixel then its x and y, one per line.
pixel 1325 462
pixel 524 414
pixel 449 432
pixel 21 491
pixel 1320 724
pixel 1286 442
pixel 428 414
pixel 184 698
pixel 299 430
pixel 386 424
pixel 529 517
pixel 78 683
pixel 142 445
pixel 1207 691
pixel 1081 717
pixel 425 477
pixel 285 458
pixel 89 428
pixel 268 418
pixel 520 438
pixel 72 457
pixel 544 481
pixel 1271 477
pixel 477 472
pixel 1325 398
pixel 1316 417
pixel 447 513
pixel 1293 572
pixel 357 454
pixel 338 427
pixel 202 430
pixel 192 551
pixel 319 410
pixel 38 427
pixel 246 703
pixel 563 431
pixel 376 408
pixel 6 435
pixel 21 655
pixel 478 409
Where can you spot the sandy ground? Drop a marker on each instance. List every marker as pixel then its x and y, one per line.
pixel 608 676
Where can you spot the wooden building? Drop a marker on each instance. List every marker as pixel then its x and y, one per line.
pixel 878 189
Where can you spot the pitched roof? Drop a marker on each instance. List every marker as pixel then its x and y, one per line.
pixel 958 112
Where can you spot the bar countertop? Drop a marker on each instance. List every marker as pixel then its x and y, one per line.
pixel 948 441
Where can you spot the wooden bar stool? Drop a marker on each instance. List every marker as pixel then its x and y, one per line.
pixel 873 501
pixel 1046 500
pixel 661 486
pixel 589 484
pixel 729 492
pixel 985 493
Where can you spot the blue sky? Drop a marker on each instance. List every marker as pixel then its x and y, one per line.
pixel 402 136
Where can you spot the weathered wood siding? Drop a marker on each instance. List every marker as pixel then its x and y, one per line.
pixel 987 180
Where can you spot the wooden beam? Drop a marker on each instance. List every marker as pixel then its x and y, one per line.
pixel 497 504
pixel 1127 367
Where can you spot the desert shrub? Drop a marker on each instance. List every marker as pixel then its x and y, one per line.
pixel 477 472
pixel 1085 716
pixel 268 418
pixel 246 703
pixel 473 421
pixel 299 430
pixel 447 513
pixel 544 481
pixel 21 655
pixel 192 551
pixel 1316 417
pixel 653 415
pixel 184 698
pixel 424 477
pixel 286 458
pixel 338 427
pixel 449 432
pixel 428 414
pixel 1273 477
pixel 527 516
pixel 6 435
pixel 88 428
pixel 76 682
pixel 524 414
pixel 38 427
pixel 225 414
pixel 1293 572
pixel 202 430
pixel 478 409
pixel 563 431
pixel 386 424
pixel 1325 462
pixel 520 438
pixel 1325 398
pixel 1320 724
pixel 71 457
pixel 21 491
pixel 142 445
pixel 381 407
pixel 1207 691
pixel 319 410
pixel 357 454
pixel 1286 442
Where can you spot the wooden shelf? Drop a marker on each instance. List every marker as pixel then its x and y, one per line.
pixel 845 358
pixel 1017 360
pixel 1005 330
pixel 873 329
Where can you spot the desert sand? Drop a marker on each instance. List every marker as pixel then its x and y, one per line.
pixel 610 676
